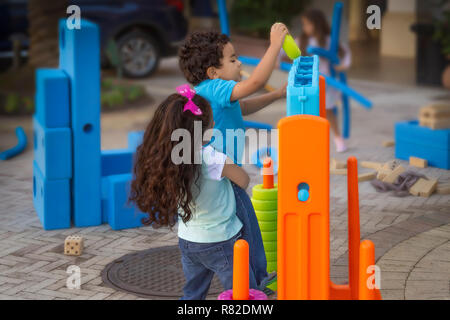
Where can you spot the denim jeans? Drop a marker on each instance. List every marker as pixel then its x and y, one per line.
pixel 251 233
pixel 202 260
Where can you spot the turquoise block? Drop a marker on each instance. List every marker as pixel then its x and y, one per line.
pixel 121 214
pixel 52 98
pixel 79 58
pixel 51 200
pixel 116 161
pixel 135 139
pixel 53 151
pixel 412 140
pixel 302 93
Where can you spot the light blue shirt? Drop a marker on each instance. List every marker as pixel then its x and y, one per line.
pixel 214 209
pixel 227 115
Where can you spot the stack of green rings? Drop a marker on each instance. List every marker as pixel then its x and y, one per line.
pixel 265 203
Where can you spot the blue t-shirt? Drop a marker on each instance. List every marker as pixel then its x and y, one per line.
pixel 227 115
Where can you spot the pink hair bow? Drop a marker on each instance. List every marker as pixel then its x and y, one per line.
pixel 186 91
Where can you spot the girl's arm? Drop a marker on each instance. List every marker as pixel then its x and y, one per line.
pixel 264 69
pixel 235 174
pixel 251 105
pixel 346 60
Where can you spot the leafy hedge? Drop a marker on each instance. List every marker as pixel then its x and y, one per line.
pixel 256 17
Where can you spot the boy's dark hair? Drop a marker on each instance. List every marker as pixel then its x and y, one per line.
pixel 200 51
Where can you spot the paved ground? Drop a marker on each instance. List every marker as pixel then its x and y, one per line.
pixel 411 234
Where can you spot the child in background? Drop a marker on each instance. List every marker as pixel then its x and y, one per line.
pixel 316 33
pixel 199 195
pixel 209 61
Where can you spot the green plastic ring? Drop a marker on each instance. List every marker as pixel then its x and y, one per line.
pixel 271 256
pixel 264 205
pixel 267 226
pixel 270 246
pixel 269 236
pixel 271 266
pixel 267 216
pixel 259 193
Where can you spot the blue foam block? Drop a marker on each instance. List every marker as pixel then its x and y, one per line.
pixel 413 140
pixel 104 202
pixel 135 139
pixel 52 98
pixel 51 199
pixel 116 161
pixel 80 58
pixel 121 215
pixel 303 87
pixel 53 151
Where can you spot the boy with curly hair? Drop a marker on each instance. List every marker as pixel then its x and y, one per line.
pixel 209 62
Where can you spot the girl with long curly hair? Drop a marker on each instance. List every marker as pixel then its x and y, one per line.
pixel 196 193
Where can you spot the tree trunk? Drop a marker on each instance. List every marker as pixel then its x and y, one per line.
pixel 43 16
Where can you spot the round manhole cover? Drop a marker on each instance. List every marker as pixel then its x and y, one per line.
pixel 152 273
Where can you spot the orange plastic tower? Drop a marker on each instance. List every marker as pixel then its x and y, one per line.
pixel 303 217
pixel 303 225
pixel 240 271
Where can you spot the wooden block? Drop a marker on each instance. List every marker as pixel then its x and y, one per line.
pixel 436 109
pixel 371 165
pixel 435 123
pixel 390 165
pixel 367 176
pixel 73 246
pixel 392 177
pixel 338 171
pixel 388 143
pixel 423 187
pixel 382 173
pixel 443 188
pixel 337 164
pixel 417 162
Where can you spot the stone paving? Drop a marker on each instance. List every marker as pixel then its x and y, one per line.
pixel 411 234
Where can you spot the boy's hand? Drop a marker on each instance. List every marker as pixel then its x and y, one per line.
pixel 277 34
pixel 281 92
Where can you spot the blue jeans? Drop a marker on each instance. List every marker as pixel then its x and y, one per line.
pixel 251 233
pixel 202 260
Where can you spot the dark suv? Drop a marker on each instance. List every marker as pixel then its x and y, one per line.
pixel 143 30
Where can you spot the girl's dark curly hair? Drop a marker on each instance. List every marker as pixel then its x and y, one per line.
pixel 160 187
pixel 200 51
pixel 322 30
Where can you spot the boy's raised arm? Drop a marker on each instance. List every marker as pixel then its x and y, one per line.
pixel 264 69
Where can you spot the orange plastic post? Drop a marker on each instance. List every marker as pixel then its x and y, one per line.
pixel 303 208
pixel 322 97
pixel 367 290
pixel 268 173
pixel 353 226
pixel 241 282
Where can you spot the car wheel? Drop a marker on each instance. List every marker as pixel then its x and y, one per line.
pixel 139 53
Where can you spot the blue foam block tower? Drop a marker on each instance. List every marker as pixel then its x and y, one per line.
pixel 121 214
pixel 51 199
pixel 52 98
pixel 113 162
pixel 413 140
pixel 116 161
pixel 135 139
pixel 303 87
pixel 53 151
pixel 80 59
